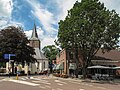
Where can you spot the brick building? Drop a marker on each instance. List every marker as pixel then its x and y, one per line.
pixel 65 62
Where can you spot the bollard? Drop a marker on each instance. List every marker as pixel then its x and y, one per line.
pixel 17 77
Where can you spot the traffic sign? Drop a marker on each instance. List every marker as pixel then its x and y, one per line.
pixel 12 54
pixel 9 56
pixel 6 56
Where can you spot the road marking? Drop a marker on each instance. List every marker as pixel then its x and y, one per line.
pixel 60 84
pixel 60 81
pixel 42 82
pixel 87 84
pixel 38 79
pixel 74 82
pixel 24 82
pixel 41 87
pixel 81 89
pixel 90 85
pixel 82 83
pixel 101 87
pixel 23 78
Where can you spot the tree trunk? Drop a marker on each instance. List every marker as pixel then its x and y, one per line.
pixel 77 61
pixel 84 70
pixel 76 72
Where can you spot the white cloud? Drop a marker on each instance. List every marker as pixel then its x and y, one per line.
pixel 47 20
pixel 40 33
pixel 112 4
pixel 4 23
pixel 28 33
pixel 5 12
pixel 64 6
pixel 46 17
pixel 45 39
pixel 5 7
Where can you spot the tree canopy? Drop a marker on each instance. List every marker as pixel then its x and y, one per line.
pixel 14 41
pixel 50 52
pixel 88 27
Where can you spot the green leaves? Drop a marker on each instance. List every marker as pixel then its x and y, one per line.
pixel 50 52
pixel 89 26
pixel 14 41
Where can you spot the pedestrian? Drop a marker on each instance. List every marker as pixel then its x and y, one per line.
pixel 15 70
pixel 9 71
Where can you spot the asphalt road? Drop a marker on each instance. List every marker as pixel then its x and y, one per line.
pixel 52 83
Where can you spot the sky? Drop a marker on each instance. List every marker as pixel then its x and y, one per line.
pixel 44 13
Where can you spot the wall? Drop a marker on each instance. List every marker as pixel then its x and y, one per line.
pixel 62 58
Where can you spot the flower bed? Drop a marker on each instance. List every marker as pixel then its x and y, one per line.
pixel 61 75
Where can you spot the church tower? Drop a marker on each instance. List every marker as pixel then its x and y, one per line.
pixel 34 40
pixel 42 62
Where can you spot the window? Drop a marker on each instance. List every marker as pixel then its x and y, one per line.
pixel 71 55
pixel 44 65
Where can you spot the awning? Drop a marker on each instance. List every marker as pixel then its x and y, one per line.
pixel 116 67
pixel 101 67
pixel 60 66
pixel 72 66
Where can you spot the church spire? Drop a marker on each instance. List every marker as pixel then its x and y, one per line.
pixel 34 33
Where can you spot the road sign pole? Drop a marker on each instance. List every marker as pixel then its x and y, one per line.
pixel 9 65
pixel 8 57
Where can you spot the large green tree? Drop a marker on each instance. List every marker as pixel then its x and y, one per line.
pixel 50 52
pixel 88 27
pixel 14 41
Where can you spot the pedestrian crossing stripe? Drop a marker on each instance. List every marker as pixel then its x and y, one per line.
pixel 24 82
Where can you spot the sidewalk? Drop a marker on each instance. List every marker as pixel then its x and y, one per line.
pixel 115 81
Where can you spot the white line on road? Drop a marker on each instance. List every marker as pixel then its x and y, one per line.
pixel 82 83
pixel 60 81
pixel 42 87
pixel 42 82
pixel 101 87
pixel 81 89
pixel 24 82
pixel 60 84
pixel 38 79
pixel 74 82
pixel 23 78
